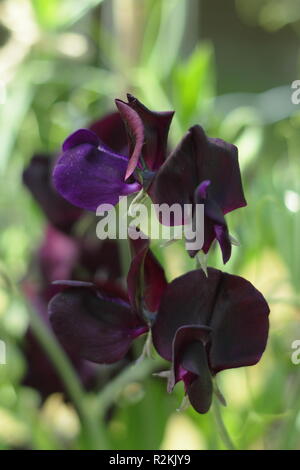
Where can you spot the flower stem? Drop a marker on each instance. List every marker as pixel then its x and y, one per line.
pixel 137 371
pixel 221 426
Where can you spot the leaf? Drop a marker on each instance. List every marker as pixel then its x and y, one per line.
pixel 194 83
pixel 56 14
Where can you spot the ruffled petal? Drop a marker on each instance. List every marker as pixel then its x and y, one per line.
pixel 87 175
pixel 135 130
pixel 211 166
pixel 79 137
pixel 240 324
pixel 100 330
pixel 187 301
pixel 184 337
pixel 236 312
pixel 156 129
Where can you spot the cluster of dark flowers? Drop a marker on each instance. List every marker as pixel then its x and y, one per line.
pixel 65 252
pixel 202 323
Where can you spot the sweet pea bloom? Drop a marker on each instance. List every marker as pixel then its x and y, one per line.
pixel 200 170
pixel 89 172
pixel 37 176
pixel 101 327
pixel 208 324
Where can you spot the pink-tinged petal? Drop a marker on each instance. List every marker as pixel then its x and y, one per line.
pixel 37 178
pixel 156 129
pixel 111 131
pixel 135 129
pixel 98 329
pixel 146 278
pixel 88 176
pixel 185 336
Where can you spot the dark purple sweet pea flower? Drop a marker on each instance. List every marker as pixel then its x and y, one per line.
pixel 200 170
pixel 89 173
pixel 206 171
pixel 60 257
pixel 37 176
pixel 208 324
pixel 99 327
pixel 147 130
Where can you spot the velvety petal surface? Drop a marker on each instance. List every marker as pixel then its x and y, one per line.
pixel 239 324
pixel 198 158
pixel 184 337
pixel 236 312
pixel 100 330
pixel 156 129
pixel 188 301
pixel 88 175
pixel 199 388
pixel 211 165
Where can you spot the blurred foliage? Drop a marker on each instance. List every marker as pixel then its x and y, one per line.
pixel 62 64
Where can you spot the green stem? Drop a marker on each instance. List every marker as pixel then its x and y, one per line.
pixel 137 371
pixel 93 428
pixel 221 426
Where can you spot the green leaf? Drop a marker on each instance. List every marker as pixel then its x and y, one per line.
pixel 56 14
pixel 194 83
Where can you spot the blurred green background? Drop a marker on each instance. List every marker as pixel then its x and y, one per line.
pixel 225 65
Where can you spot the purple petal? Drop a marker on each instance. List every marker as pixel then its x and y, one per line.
pixel 199 381
pixel 223 170
pixel 240 324
pixel 156 129
pixel 215 226
pixel 187 301
pixel 177 179
pixel 209 167
pixel 146 279
pixel 236 312
pixel 37 178
pixel 223 238
pixel 135 131
pixel 99 330
pixel 185 336
pixel 82 136
pixel 88 176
